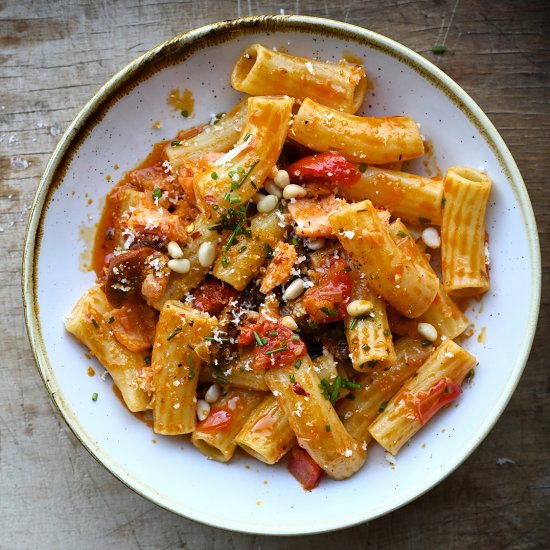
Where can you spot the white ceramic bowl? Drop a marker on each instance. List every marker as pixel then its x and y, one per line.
pixel 115 128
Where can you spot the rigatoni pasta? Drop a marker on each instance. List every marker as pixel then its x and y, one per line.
pixel 260 71
pixel 361 139
pixel 463 258
pixel 251 294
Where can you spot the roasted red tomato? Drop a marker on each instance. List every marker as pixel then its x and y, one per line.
pixel 440 394
pixel 324 167
pixel 276 345
pixel 326 301
pixel 213 295
pixel 304 468
pixel 218 419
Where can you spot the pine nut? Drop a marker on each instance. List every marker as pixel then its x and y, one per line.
pixel 431 237
pixel 272 189
pixel 257 197
pixel 428 331
pixel 316 244
pixel 281 179
pixel 294 289
pixel 289 322
pixel 293 191
pixel 207 254
pixel 267 204
pixel 174 250
pixel 213 393
pixel 181 265
pixel 203 409
pixel 359 307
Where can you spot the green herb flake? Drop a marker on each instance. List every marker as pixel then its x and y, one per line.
pixel 242 249
pixel 185 113
pixel 470 375
pixel 225 261
pixel 298 363
pixel 111 320
pixel 327 428
pixel 295 241
pixel 176 143
pixel 313 325
pixel 382 407
pixel 191 367
pixel 402 234
pixel 175 332
pixel 221 379
pixel 259 341
pixel 424 220
pixel 329 311
pixel 147 360
pixel 425 343
pixel 94 322
pixel 234 200
pixel 292 378
pixel 157 193
pixel 94 396
pixel 276 350
pixel 214 175
pixel 295 338
pixel 353 323
pixel 439 48
pixel 247 136
pixel 273 333
pixel 447 389
pixel 387 332
pixel 362 167
pixel 443 201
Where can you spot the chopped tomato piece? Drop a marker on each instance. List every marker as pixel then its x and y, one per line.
pixel 327 301
pixel 218 419
pixel 276 345
pixel 304 468
pixel 324 167
pixel 213 295
pixel 440 394
pixel 154 223
pixel 311 215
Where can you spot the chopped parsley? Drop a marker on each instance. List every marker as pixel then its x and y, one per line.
pixel 382 407
pixel 332 391
pixel 298 363
pixel 327 428
pixel 176 143
pixel 439 48
pixel 292 379
pixel 214 175
pixel 94 396
pixel 362 167
pixel 157 193
pixel 185 113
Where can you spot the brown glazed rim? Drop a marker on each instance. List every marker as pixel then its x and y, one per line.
pixel 175 51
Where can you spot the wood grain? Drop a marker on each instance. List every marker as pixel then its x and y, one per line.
pixel 53 57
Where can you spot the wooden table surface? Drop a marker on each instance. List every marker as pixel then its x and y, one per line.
pixel 53 57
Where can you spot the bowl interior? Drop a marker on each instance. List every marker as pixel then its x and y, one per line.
pixel 169 471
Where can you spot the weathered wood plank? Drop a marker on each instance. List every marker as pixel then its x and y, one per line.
pixel 53 57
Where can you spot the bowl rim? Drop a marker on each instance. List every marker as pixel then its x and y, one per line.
pixel 281 23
